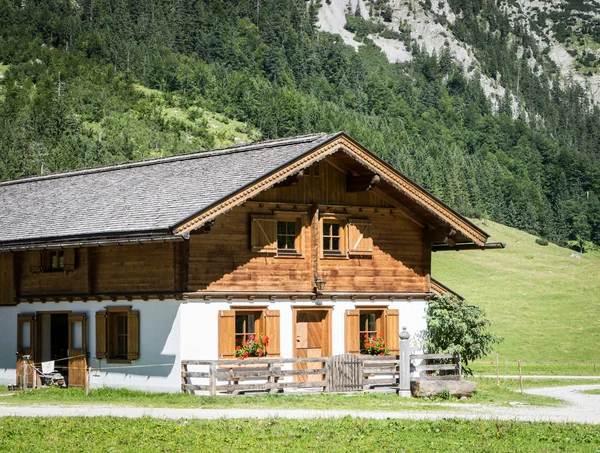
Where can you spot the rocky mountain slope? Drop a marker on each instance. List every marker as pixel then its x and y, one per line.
pixel 562 36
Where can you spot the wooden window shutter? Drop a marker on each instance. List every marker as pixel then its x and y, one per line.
pixel 25 339
pixel 392 330
pixel 360 240
pixel 7 279
pixel 226 334
pixel 272 330
pixel 133 335
pixel 69 262
pixel 35 262
pixel 264 234
pixel 352 331
pixel 101 334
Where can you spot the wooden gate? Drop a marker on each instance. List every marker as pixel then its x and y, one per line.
pixel 346 373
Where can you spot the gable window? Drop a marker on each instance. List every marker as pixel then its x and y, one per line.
pixel 117 334
pixel 372 322
pixel 278 234
pixel 239 325
pixel 286 236
pixel 332 238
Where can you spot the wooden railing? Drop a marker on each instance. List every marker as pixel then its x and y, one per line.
pixel 341 373
pixel 431 368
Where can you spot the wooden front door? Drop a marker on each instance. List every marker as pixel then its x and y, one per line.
pixel 312 340
pixel 77 350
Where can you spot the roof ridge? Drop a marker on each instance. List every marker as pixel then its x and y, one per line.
pixel 239 148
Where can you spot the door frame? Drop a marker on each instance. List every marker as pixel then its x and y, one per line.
pixel 327 331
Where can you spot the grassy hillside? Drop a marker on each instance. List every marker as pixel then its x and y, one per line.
pixel 545 303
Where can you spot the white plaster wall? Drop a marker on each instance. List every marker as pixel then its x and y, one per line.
pixel 199 322
pixel 158 368
pixel 174 330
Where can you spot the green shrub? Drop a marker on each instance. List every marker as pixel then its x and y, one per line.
pixel 453 327
pixel 541 241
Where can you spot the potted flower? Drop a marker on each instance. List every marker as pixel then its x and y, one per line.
pixel 253 347
pixel 374 345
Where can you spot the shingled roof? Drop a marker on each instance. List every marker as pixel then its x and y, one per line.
pixel 138 198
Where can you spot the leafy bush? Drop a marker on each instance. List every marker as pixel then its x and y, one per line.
pixel 541 241
pixel 453 326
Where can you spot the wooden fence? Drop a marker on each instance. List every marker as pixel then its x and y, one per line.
pixel 340 373
pixel 432 366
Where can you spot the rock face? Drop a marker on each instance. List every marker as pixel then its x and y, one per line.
pixel 423 389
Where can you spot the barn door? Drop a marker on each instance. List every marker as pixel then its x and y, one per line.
pixel 26 328
pixel 77 350
pixel 311 340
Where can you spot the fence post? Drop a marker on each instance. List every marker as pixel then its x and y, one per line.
pixel 212 376
pixel 404 365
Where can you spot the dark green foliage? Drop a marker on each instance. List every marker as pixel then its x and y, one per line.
pixel 541 241
pixel 69 99
pixel 453 326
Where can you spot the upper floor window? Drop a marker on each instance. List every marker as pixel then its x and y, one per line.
pixel 286 236
pixel 279 234
pixel 55 260
pixel 332 238
pixel 52 260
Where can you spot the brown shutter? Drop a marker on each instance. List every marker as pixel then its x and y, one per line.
pixel 101 334
pixel 25 343
pixel 226 334
pixel 133 335
pixel 7 279
pixel 69 257
pixel 352 332
pixel 360 240
pixel 272 330
pixel 35 262
pixel 264 234
pixel 392 330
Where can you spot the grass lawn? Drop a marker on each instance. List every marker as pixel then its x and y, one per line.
pixel 487 393
pixel 543 302
pixel 592 392
pixel 346 434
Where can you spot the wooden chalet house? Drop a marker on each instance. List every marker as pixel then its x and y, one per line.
pixel 312 241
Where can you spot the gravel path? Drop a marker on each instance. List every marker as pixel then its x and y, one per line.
pixel 579 408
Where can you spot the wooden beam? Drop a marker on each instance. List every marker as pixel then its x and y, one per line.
pixel 181 255
pixel 362 183
pixel 396 204
pixel 467 246
pixel 290 181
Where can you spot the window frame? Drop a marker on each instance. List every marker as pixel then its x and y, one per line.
pixel 379 324
pixel 289 217
pixel 259 324
pixel 342 221
pixel 48 258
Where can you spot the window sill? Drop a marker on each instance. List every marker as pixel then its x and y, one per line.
pixel 292 255
pixel 118 361
pixel 335 256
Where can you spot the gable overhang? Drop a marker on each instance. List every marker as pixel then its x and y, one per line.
pixel 340 142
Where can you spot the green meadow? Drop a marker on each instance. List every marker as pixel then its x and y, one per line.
pixel 544 302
